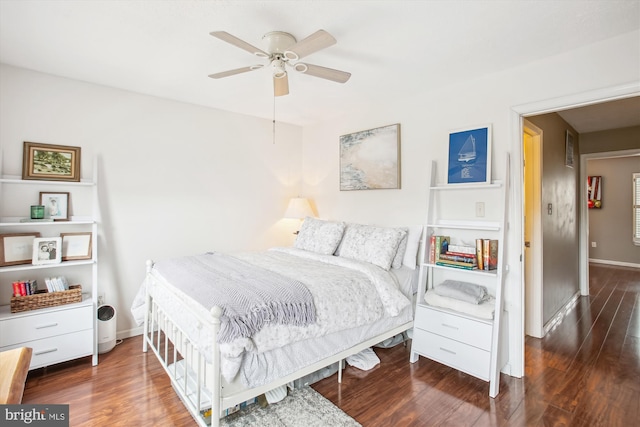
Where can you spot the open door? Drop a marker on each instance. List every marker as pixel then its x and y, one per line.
pixel 532 151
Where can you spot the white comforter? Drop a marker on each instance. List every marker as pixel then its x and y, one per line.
pixel 346 294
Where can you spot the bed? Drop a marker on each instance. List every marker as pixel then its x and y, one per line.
pixel 230 327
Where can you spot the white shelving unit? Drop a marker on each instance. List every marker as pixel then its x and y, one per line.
pixel 64 332
pixel 461 341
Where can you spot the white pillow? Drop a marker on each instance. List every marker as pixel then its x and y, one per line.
pixel 376 245
pixel 319 236
pixel 413 243
pixel 402 248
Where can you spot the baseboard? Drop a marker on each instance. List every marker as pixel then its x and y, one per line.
pixel 555 320
pixel 616 263
pixel 129 333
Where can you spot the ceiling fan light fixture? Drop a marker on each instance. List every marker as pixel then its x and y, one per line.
pixel 301 68
pixel 291 55
pixel 278 68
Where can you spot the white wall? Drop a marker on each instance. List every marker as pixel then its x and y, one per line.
pixel 426 119
pixel 174 179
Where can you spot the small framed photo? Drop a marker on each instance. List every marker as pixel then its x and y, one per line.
pixel 470 156
pixel 568 150
pixel 47 250
pixel 16 248
pixel 76 246
pixel 56 205
pixel 48 162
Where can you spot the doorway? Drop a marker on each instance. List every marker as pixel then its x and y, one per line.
pixel 533 265
pixel 516 278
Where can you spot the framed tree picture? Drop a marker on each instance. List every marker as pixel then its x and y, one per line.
pixel 48 162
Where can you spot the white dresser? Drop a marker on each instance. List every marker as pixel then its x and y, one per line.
pixel 462 342
pixel 55 334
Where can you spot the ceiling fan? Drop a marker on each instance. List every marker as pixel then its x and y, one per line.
pixel 282 50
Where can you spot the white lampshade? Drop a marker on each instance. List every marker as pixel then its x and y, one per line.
pixel 299 208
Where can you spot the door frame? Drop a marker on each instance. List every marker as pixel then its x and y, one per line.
pixel 518 112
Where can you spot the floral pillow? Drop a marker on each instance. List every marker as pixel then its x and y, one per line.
pixel 319 236
pixel 376 245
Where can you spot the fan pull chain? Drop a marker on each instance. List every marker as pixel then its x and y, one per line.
pixel 274 120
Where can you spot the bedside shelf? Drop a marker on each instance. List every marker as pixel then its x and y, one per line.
pixel 463 342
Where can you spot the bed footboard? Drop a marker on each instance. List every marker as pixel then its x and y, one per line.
pixel 196 381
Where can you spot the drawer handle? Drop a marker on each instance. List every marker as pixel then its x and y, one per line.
pixel 51 350
pixel 48 325
pixel 450 326
pixel 448 351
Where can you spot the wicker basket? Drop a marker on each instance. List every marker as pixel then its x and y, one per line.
pixel 46 299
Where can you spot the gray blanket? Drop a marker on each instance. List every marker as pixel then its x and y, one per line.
pixel 250 296
pixel 463 291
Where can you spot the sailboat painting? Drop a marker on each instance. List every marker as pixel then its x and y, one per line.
pixel 470 156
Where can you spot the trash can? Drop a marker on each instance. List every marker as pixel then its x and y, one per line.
pixel 106 328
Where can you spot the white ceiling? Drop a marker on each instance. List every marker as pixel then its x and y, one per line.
pixel 163 48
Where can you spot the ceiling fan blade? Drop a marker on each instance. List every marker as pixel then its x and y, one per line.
pixel 323 72
pixel 316 41
pixel 281 86
pixel 234 72
pixel 223 35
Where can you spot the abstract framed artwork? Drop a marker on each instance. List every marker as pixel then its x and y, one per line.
pixel 370 159
pixel 470 156
pixel 76 246
pixel 48 162
pixel 16 248
pixel 594 192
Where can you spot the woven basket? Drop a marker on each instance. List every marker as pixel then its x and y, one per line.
pixel 46 299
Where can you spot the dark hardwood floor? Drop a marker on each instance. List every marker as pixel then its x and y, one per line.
pixel 585 372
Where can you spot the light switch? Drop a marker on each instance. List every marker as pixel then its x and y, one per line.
pixel 480 209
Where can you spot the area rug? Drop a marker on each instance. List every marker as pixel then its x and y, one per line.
pixel 303 407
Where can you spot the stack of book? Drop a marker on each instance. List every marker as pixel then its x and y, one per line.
pixel 23 288
pixel 482 257
pixel 56 284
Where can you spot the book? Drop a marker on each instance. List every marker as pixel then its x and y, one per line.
pixel 36 220
pixel 489 254
pixel 454 256
pixel 462 249
pixel 442 246
pixel 456 264
pixel 480 253
pixel 432 249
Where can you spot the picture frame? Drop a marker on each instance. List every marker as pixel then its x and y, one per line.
pixel 594 192
pixel 56 205
pixel 370 159
pixel 76 246
pixel 568 149
pixel 470 156
pixel 16 248
pixel 47 250
pixel 49 162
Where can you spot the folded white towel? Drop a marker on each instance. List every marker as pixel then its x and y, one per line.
pixel 463 291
